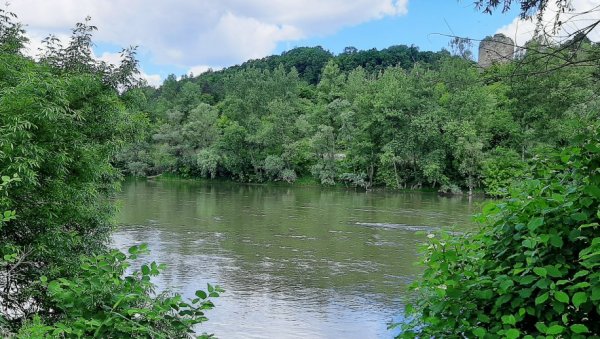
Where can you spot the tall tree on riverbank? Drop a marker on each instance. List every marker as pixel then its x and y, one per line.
pixel 62 120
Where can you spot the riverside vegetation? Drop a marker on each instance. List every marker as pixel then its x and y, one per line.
pixel 62 119
pixel 532 272
pixel 397 118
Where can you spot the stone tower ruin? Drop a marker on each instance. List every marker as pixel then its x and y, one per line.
pixel 496 49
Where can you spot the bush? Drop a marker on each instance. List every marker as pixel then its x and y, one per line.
pixel 532 270
pixel 208 162
pixel 324 172
pixel 273 166
pixel 100 301
pixel 356 180
pixel 63 120
pixel 288 175
pixel 59 130
pixel 501 168
pixel 450 189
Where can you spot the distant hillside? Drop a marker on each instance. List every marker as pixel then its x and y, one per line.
pixel 396 117
pixel 309 62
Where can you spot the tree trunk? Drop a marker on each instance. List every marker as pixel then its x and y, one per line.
pixel 396 174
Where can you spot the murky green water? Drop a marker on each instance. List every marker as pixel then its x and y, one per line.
pixel 297 262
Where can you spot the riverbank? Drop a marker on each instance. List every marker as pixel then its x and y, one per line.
pixel 304 182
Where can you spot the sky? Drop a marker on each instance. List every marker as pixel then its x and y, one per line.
pixel 190 36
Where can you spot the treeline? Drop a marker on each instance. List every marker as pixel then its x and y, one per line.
pixel 408 121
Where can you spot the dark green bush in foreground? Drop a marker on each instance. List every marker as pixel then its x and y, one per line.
pixel 532 270
pixel 102 302
pixel 98 298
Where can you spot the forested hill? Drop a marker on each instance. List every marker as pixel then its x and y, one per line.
pixel 398 118
pixel 310 61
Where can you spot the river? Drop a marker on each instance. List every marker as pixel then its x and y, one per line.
pixel 296 262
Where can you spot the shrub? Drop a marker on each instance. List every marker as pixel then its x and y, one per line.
pixel 450 189
pixel 356 180
pixel 208 162
pixel 102 302
pixel 500 169
pixel 288 175
pixel 532 270
pixel 273 166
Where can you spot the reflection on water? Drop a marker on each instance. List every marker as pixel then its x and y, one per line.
pixel 296 262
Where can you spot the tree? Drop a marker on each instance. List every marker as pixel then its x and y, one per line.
pixel 63 120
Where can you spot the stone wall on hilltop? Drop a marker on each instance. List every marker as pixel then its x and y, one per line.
pixel 496 49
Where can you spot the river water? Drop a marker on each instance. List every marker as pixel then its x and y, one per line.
pixel 296 262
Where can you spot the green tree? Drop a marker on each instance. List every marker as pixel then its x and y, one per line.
pixel 62 120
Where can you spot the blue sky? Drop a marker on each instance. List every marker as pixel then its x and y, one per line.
pixel 419 26
pixel 183 36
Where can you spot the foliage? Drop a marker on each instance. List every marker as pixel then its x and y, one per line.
pixel 59 129
pixel 102 301
pixel 62 119
pixel 501 169
pixel 397 118
pixel 532 270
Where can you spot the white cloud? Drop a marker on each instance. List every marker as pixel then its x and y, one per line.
pixel 110 58
pixel 35 45
pixel 522 31
pixel 188 33
pixel 199 69
pixel 153 80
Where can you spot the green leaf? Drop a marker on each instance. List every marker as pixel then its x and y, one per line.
pixel 509 319
pixel 540 271
pixel 528 279
pixel 595 293
pixel 579 216
pixel 201 294
pixel 593 224
pixel 555 329
pixel 562 297
pixel 556 241
pixel 528 243
pixel 483 318
pixel 506 284
pixel 580 285
pixel 581 274
pixel 485 294
pixel 479 332
pixel 513 333
pixel 541 299
pixel 535 223
pixel 145 270
pixel 553 271
pixel 579 298
pixel 579 328
pixel 541 327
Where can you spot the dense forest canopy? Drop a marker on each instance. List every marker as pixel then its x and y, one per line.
pixel 397 118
